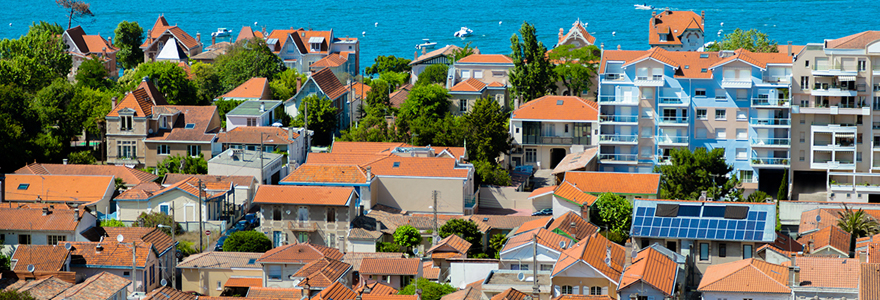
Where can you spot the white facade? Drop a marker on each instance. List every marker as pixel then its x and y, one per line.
pixel 753 296
pixel 463 273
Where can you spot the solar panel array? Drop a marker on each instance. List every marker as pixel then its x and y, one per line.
pixel 708 227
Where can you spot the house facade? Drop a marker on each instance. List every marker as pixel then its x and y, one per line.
pixel 43 224
pixel 306 214
pixel 162 34
pixel 547 129
pixel 394 272
pixel 83 47
pixel 259 113
pixel 677 30
pixel 267 168
pixel 91 258
pixel 208 272
pixel 439 56
pixel 592 266
pixel 181 200
pixel 92 192
pixel 253 89
pixel 287 140
pixel 491 74
pixel 282 263
pixel 322 84
pixel 300 49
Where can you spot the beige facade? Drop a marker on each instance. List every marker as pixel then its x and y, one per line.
pixel 463 102
pixel 153 157
pixel 300 223
pixel 210 281
pixel 414 193
pixel 126 145
pixel 182 205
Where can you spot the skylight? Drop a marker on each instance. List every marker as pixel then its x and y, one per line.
pixel 396 164
pixel 559 102
pixel 704 55
pixel 23 186
pixel 190 125
pixel 252 261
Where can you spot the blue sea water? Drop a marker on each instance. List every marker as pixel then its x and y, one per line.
pixel 403 24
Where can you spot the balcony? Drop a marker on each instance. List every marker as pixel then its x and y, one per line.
pixel 610 119
pixel 736 83
pixel 618 158
pixel 656 81
pixel 618 139
pixel 834 70
pixel 769 162
pixel 614 77
pixel 769 122
pixel 769 79
pixel 555 140
pixel 672 140
pixel 302 226
pixel 671 101
pixel 618 100
pixel 771 142
pixel 834 127
pixel 674 121
pixel 762 101
pixel 834 92
pixel 833 165
pixel 663 160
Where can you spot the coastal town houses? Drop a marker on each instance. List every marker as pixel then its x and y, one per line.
pixel 130 177
pixel 103 286
pixel 438 56
pixel 181 200
pixel 281 263
pixel 653 273
pixel 307 214
pixel 266 167
pixel 254 113
pixel 579 190
pixel 592 266
pixel 577 37
pixel 322 84
pixel 395 272
pixel 653 101
pixel 159 243
pixel 519 251
pixel 256 88
pixel 826 278
pixel 182 45
pixel 490 74
pixel 546 129
pixel 299 49
pixel 91 258
pixel 677 30
pixel 43 223
pixel 746 278
pixel 290 141
pixel 244 188
pixel 209 273
pixel 83 47
pixel 51 259
pixel 92 192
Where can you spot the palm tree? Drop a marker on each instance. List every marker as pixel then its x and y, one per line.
pixel 858 224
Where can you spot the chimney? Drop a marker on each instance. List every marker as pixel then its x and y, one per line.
pixel 64 161
pixel 703 19
pixel 110 39
pixel 76 214
pixel 668 12
pixel 653 14
pixel 262 106
pixel 99 248
pixel 794 273
pixel 369 173
pixel 416 55
pixel 561 33
pixel 306 291
pixel 199 37
pixel 299 83
pixel 789 49
pixel 113 102
pixel 602 46
pixel 424 51
pixel 618 47
pixel 46 211
pixel 378 225
pixel 629 246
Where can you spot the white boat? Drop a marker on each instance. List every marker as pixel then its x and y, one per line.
pixel 643 6
pixel 221 32
pixel 428 44
pixel 463 32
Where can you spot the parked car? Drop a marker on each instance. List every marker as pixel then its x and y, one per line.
pixel 219 246
pixel 252 220
pixel 543 212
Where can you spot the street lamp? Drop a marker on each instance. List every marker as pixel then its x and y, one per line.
pixel 174 251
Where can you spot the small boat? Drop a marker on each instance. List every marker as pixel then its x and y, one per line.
pixel 643 6
pixel 428 44
pixel 221 32
pixel 463 32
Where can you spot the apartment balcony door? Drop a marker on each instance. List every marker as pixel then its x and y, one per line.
pixel 582 134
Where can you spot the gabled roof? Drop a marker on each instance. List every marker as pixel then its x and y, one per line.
pixel 569 108
pixel 618 183
pixel 247 33
pixel 235 180
pixel 221 260
pixel 510 294
pixel 322 272
pixel 253 88
pixel 869 280
pixel 42 289
pixel 88 44
pixel 576 161
pixel 355 258
pixel 545 238
pixel 687 64
pixel 129 175
pixel 250 135
pixel 391 266
pixel 486 59
pixel 470 85
pixel 336 291
pixel 98 287
pixel 43 257
pixel 831 236
pixel 452 242
pixel 141 100
pixel 299 254
pixel 359 89
pixel 419 167
pixel 309 195
pixel 856 41
pixel 160 240
pixel 747 275
pixel 330 61
pixel 829 272
pixel 328 83
pixel 328 173
pixel 169 293
pixel 502 222
pixel 447 50
pixel 657 54
pixel 760 60
pixel 189 186
pixel 274 292
pixel 574 225
pixel 399 96
pixel 577 31
pixel 673 23
pixel 547 190
pixel 593 251
pixel 57 188
pixel 156 31
pixel 371 148
pixel 653 268
pixel 377 289
pixel 200 117
pixel 533 224
pixel 171 51
pixel 113 254
pixel 31 218
pixel 570 192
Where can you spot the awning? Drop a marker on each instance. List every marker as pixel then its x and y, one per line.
pixel 244 282
pixel 846 78
pixel 845 135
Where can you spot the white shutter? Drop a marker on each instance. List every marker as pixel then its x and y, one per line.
pixel 586 290
pixel 657 71
pixel 745 74
pixel 556 291
pixel 576 290
pixel 729 74
pixel 604 290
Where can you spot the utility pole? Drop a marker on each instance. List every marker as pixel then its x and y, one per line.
pixel 173 251
pixel 535 290
pixel 262 173
pixel 133 267
pixel 306 125
pixel 201 229
pixel 434 235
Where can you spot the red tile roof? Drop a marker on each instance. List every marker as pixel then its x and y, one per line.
pixel 447 51
pixel 169 293
pixel 89 44
pixel 856 41
pixel 831 236
pixel 128 175
pixel 570 192
pixel 371 148
pixel 390 266
pixel 189 185
pixel 328 83
pixel 221 260
pixel 310 195
pixel 244 282
pixel 236 180
pixel 470 85
pixel 486 59
pixel 378 289
pixel 759 60
pixel 545 238
pixel 113 254
pixel 102 286
pixel 343 159
pixel 510 294
pixel 576 29
pixel 42 289
pixel 337 291
pixel 429 271
pixel 619 183
pixel 747 275
pixel 451 243
pixel 547 190
pixel 251 135
pixel 42 257
pixel 200 116
pixel 273 292
pixel 419 167
pixel 254 88
pixel 32 219
pixel 653 268
pixel 359 89
pixel 581 229
pixel 57 188
pixel 328 173
pixel 536 223
pixel 330 61
pixel 558 108
pixel 355 258
pixel 593 250
pixel 869 280
pixel 673 23
pixel 322 272
pixel 398 97
pixel 829 272
pixel 299 253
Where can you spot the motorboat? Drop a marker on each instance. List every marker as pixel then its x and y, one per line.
pixel 643 6
pixel 463 32
pixel 428 44
pixel 221 32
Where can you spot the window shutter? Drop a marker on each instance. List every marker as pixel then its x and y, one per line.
pixel 604 290
pixel 576 290
pixel 555 291
pixel 586 290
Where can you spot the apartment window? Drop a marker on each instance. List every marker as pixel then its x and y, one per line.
pixel 302 237
pixel 645 152
pixel 595 290
pixel 876 103
pixel 805 103
pixel 720 114
pixel 126 123
pixel 722 250
pixel 331 214
pixel 747 175
pixel 127 149
pixel 302 214
pixel 720 95
pixel 565 290
pixel 700 93
pixel 566 128
pixel 521 267
pixel 702 133
pixel 194 150
pixel 863 65
pixel 646 132
pixel 126 274
pixel 465 74
pixel 478 74
pixel 721 133
pixel 741 115
pixel 163 150
pixel 702 114
pixel 807 63
pixel 742 134
pixel 276 214
pixel 801 156
pixel 24 239
pixel 704 251
pixel 165 209
pixel 742 154
pixel 747 251
pixel 858 156
pixel 219 285
pixel 54 239
pixel 462 105
pixel 274 272
pixel 498 73
pixel 546 267
pixel 803 137
pixel 251 121
pixel 531 155
pixel 805 82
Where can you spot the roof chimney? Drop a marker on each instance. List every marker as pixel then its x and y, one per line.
pixel 789 49
pixel 602 46
pixel 113 102
pixel 46 211
pixel 199 37
pixel 262 106
pixel 213 40
pixel 64 161
pixel 703 19
pixel 110 39
pixel 378 225
pixel 369 173
pixel 416 55
pixel 561 33
pixel 424 51
pixel 76 214
pixel 618 46
pixel 668 12
pixel 653 14
pixel 299 83
pixel 99 248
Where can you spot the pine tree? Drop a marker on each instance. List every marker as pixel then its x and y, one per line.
pixel 783 188
pixel 532 74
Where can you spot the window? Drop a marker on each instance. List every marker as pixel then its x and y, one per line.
pixel 747 251
pixel 805 82
pixel 163 150
pixel 702 133
pixel 742 154
pixel 741 115
pixel 478 74
pixel 566 128
pixel 747 175
pixel 219 285
pixel 858 156
pixel 876 103
pixel 722 250
pixel 646 132
pixel 194 150
pixel 302 214
pixel 862 64
pixel 331 214
pixel 55 239
pixel 702 114
pixel 803 136
pixel 647 113
pixel 462 105
pixel 302 237
pixel 531 155
pixel 126 123
pixel 164 208
pixel 720 114
pixel 274 272
pixel 806 63
pixel 720 95
pixel 520 267
pixel 546 267
pixel 127 149
pixel 164 123
pixel 645 152
pixel 801 158
pixel 24 239
pixel 498 73
pixel 251 121
pixel 721 133
pixel 595 290
pixel 700 93
pixel 565 290
pixel 126 274
pixel 24 186
pixel 704 251
pixel 276 214
pixel 742 134
pixel 465 74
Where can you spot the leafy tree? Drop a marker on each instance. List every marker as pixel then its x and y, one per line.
pixel 186 248
pixel 119 184
pixel 757 197
pixel 322 118
pixel 372 128
pixel 694 172
pixel 857 223
pixel 44 27
pixel 449 131
pixel 5 263
pixel 497 243
pixel 76 9
pixel 183 164
pixel 430 290
pixel 95 104
pixel 491 173
pixel 752 40
pixel 111 223
pixel 532 74
pixel 247 241
pixel 574 67
pixel 783 188
pixel 407 236
pixel 435 73
pixel 387 247
pixel 487 128
pixel 247 59
pixel 389 63
pixel 92 74
pixel 19 128
pixel 462 52
pixel 34 60
pixel 207 82
pixel 224 106
pixel 394 79
pixel 284 84
pixel 153 219
pixel 615 214
pixel 82 158
pixel 129 37
pixel 379 93
pixel 15 295
pixel 169 78
pixel 423 108
pixel 465 229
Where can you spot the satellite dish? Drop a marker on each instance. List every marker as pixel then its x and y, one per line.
pixel 818 218
pixel 119 238
pixel 521 276
pixel 31 268
pixel 163 282
pixel 634 253
pixel 562 244
pixel 416 251
pixel 608 261
pixel 288 211
pixel 67 246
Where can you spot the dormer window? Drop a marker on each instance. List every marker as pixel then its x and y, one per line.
pixel 664 37
pixel 126 123
pixel 315 43
pixel 163 122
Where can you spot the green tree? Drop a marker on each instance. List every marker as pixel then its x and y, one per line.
pixel 394 79
pixel 783 187
pixel 371 128
pixel 129 37
pixel 46 27
pixel 379 93
pixel 462 52
pixel 435 73
pixel 91 73
pixel 247 241
pixel 575 67
pixel 284 84
pixel 388 63
pixel 81 158
pixel 169 78
pixel 34 60
pixel 407 236
pixel 155 218
pixel 752 40
pixel 757 197
pixel 857 223
pixel 691 173
pixel 423 108
pixel 224 106
pixel 5 262
pixel 532 74
pixel 95 104
pixel 15 295
pixel 387 247
pixel 491 173
pixel 322 118
pixel 615 214
pixel 19 128
pixel 497 243
pixel 465 229
pixel 183 164
pixel 450 131
pixel 75 8
pixel 111 223
pixel 430 290
pixel 487 128
pixel 119 184
pixel 207 82
pixel 247 59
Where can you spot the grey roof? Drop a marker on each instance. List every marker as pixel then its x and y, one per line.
pixel 509 278
pixel 222 260
pixel 252 108
pixel 248 158
pixel 677 258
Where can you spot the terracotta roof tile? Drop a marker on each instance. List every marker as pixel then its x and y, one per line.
pixel 545 238
pixel 873 252
pixel 189 185
pixel 756 59
pixel 274 292
pixel 747 275
pixel 429 271
pixel 576 161
pixel 829 272
pixel 355 258
pixel 113 254
pixel 160 240
pixel 299 253
pixel 593 250
pixel 251 135
pixel 43 289
pixel 140 100
pixel 337 291
pixel 188 41
pixel 221 260
pixel 328 83
pixel 200 116
pixel 510 294
pixel 447 50
pixel 57 188
pixel 583 297
pixel 129 175
pixel 654 269
pixel 377 289
pixel 673 23
pixel 581 230
pixel 360 233
pixel 452 243
pixel 558 108
pixel 547 190
pixel 243 282
pixel 253 88
pixel 486 59
pixel 359 89
pixel 787 243
pixel 468 293
pixel 42 257
pixel 311 195
pixel 577 29
pixel 869 280
pixel 330 61
pixel 236 180
pixel 322 272
pixel 390 266
pixel 620 183
pixel 829 236
pixel 536 223
pixel 14 218
pixel 98 287
pixel 398 97
pixel 503 222
pixel 570 192
pixel 470 85
pixel 856 41
pixel 419 167
pixel 371 148
pixel 168 293
pixel 328 173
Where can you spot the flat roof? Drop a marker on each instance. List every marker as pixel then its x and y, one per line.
pixel 247 158
pixel 252 107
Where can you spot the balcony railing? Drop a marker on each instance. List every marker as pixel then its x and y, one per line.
pixel 618 157
pixel 302 226
pixel 736 82
pixel 673 120
pixel 555 140
pixel 618 138
pixel 671 100
pixel 770 121
pixel 770 161
pixel 672 139
pixel 771 141
pixel 619 119
pixel 765 101
pixel 470 202
pixel 618 99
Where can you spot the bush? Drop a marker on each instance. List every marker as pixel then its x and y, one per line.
pixel 81 158
pixel 247 241
pixel 155 218
pixel 465 229
pixel 111 223
pixel 15 295
pixel 387 247
pixel 186 248
pixel 430 290
pixel 407 236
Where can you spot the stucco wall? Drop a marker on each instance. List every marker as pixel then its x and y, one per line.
pixel 414 194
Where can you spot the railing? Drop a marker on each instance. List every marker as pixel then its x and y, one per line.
pixel 671 100
pixel 764 101
pixel 617 99
pixel 622 119
pixel 673 120
pixel 641 77
pixel 307 226
pixel 556 140
pixel 720 98
pixel 672 139
pixel 470 202
pixel 770 121
pixel 773 161
pixel 618 157
pixel 618 138
pixel 771 141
